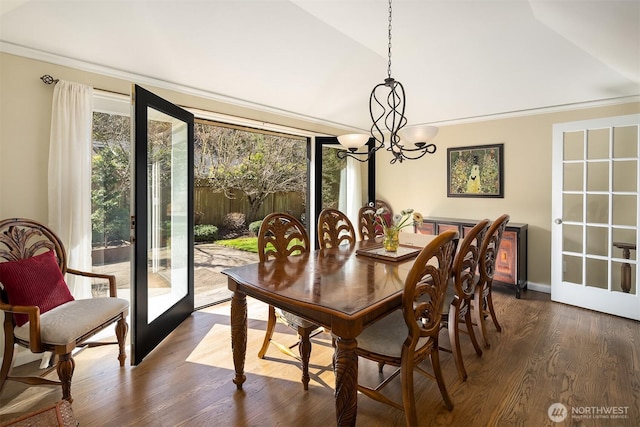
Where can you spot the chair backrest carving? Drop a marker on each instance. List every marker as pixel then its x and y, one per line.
pixel 465 264
pixel 22 238
pixel 426 286
pixel 334 229
pixel 368 228
pixel 281 235
pixel 490 248
pixel 366 223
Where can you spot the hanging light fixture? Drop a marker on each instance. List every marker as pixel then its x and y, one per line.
pixel 387 113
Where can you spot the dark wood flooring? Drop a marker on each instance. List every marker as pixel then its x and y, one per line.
pixel 547 353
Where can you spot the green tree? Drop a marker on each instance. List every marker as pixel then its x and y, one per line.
pixel 257 164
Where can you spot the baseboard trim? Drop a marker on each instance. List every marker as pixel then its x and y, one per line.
pixel 538 287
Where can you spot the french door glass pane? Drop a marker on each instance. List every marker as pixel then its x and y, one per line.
pixel 572 269
pixel 624 175
pixel 597 241
pixel 598 208
pixel 598 144
pixel 572 207
pixel 167 175
pixel 624 209
pixel 625 142
pixel 572 238
pixel 573 177
pixel 598 176
pixel 597 273
pixel 573 146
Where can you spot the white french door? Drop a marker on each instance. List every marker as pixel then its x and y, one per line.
pixel 595 207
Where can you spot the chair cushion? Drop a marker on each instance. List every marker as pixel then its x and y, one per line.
pixel 68 322
pixel 386 336
pixel 34 281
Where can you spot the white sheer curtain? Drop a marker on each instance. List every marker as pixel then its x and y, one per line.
pixel 350 200
pixel 70 177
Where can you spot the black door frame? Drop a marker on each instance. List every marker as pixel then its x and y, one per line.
pixel 146 336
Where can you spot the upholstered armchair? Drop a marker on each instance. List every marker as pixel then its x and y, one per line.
pixel 40 313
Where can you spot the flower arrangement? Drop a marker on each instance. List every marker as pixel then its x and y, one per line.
pixel 391 227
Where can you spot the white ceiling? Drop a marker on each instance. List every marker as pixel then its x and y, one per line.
pixel 320 58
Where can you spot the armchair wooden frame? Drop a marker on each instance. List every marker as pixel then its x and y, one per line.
pixel 23 238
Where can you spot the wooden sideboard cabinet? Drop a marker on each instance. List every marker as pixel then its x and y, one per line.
pixel 511 265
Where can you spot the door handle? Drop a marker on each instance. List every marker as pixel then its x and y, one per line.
pixel 558 221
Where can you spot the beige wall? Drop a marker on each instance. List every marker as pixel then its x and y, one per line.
pixel 25 117
pixel 422 184
pixel 25 114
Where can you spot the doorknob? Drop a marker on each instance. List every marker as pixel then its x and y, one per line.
pixel 558 221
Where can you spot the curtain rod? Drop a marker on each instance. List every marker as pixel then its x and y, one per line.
pixel 48 80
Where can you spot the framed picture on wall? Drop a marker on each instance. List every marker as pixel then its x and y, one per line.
pixel 475 171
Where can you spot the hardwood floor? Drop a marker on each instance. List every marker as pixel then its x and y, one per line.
pixel 547 353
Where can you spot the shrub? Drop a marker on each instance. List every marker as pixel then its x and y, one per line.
pixel 254 227
pixel 205 233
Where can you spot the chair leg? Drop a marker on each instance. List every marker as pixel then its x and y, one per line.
pixel 492 312
pixel 435 362
pixel 7 358
pixel 454 339
pixel 65 367
pixel 408 397
pixel 271 324
pixel 479 315
pixel 121 333
pixel 304 346
pixel 472 334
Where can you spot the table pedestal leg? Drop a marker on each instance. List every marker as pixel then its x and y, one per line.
pixel 239 335
pixel 346 370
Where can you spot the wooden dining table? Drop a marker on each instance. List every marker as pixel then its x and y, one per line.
pixel 336 288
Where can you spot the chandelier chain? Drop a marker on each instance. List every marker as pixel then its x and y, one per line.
pixel 389 46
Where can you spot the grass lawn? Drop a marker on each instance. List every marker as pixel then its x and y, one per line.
pixel 249 244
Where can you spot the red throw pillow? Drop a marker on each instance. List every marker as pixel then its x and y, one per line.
pixel 34 281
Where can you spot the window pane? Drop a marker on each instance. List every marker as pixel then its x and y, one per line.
pixel 574 146
pixel 573 177
pixel 598 208
pixel 572 207
pixel 625 142
pixel 625 175
pixel 598 144
pixel 598 176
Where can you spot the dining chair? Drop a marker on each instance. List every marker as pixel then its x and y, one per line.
pixel 334 229
pixel 460 292
pixel 409 335
pixel 40 313
pixel 368 229
pixel 483 300
pixel 282 235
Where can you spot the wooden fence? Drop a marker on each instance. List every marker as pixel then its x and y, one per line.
pixel 211 207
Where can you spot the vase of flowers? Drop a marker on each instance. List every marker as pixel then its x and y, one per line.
pixel 391 227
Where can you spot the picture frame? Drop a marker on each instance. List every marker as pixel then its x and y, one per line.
pixel 475 171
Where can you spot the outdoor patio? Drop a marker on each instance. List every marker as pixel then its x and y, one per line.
pixel 209 260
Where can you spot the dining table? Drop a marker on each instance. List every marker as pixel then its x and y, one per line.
pixel 343 289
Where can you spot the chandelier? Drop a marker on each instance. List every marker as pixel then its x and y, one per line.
pixel 386 108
